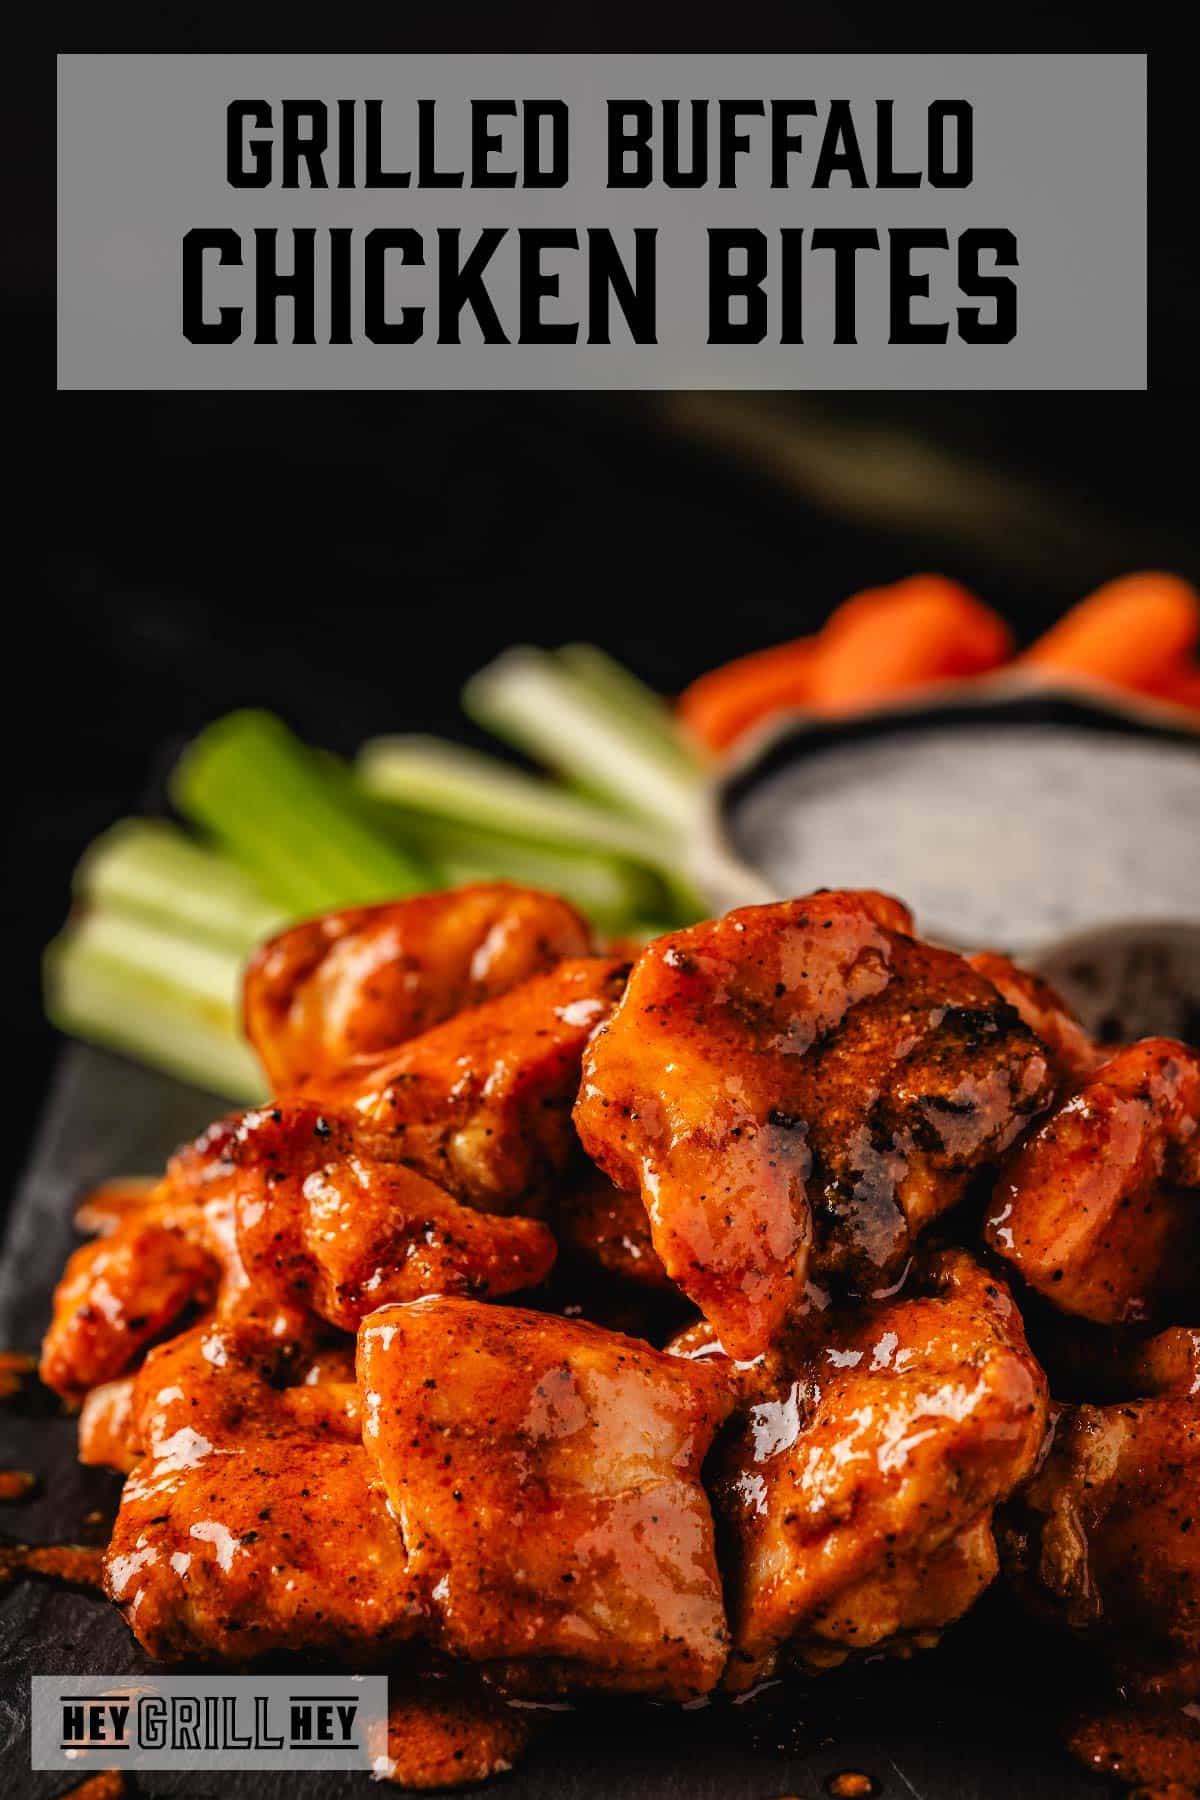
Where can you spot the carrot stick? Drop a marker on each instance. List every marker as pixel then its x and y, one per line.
pixel 1131 631
pixel 1180 685
pixel 720 706
pixel 891 638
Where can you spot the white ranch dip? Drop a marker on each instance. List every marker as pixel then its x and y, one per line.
pixel 1004 835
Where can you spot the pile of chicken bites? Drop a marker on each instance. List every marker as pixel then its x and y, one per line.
pixel 356 1350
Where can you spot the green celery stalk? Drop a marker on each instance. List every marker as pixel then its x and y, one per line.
pixel 609 891
pixel 111 988
pixel 441 780
pixel 206 974
pixel 152 868
pixel 289 816
pixel 536 702
pixel 645 711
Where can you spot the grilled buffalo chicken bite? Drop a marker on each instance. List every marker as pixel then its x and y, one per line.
pixel 324 1393
pixel 320 1224
pixel 855 1485
pixel 278 1206
pixel 801 1087
pixel 1045 1012
pixel 251 1523
pixel 1105 1540
pixel 164 1255
pixel 332 1197
pixel 363 980
pixel 107 1438
pixel 609 1229
pixel 545 1474
pixel 1099 1209
pixel 482 1103
pixel 122 1291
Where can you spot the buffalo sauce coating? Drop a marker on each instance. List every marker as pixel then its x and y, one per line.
pixel 166 1254
pixel 801 1086
pixel 1105 1539
pixel 74 1565
pixel 1099 1210
pixel 321 1224
pixel 852 1784
pixel 324 1394
pixel 355 982
pixel 1091 1363
pixel 482 1103
pixel 106 1427
pixel 609 1227
pixel 1045 1012
pixel 161 1255
pixel 118 1294
pixel 1168 1363
pixel 857 1481
pixel 546 1477
pixel 252 1524
pixel 1156 1750
pixel 105 1207
pixel 109 1784
pixel 277 1205
pixel 15 1369
pixel 450 1732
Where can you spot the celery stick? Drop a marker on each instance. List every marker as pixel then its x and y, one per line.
pixel 608 890
pixel 152 868
pixel 207 975
pixel 644 710
pixel 289 817
pixel 94 994
pixel 536 702
pixel 442 780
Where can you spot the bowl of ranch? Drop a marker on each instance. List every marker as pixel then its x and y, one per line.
pixel 1008 816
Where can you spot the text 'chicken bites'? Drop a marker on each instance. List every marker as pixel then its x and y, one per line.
pixel 546 1478
pixel 363 980
pixel 856 1484
pixel 482 1104
pixel 1099 1209
pixel 799 1088
pixel 1106 1538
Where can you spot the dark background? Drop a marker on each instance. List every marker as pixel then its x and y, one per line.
pixel 348 560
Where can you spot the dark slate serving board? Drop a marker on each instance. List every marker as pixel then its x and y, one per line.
pixel 977 1719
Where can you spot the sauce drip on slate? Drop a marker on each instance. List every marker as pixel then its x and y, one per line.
pixel 109 1784
pixel 16 1483
pixel 1158 1751
pixel 449 1733
pixel 15 1367
pixel 75 1565
pixel 852 1784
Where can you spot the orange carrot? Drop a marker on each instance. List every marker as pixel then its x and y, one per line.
pixel 1131 631
pixel 720 706
pixel 1180 685
pixel 891 638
